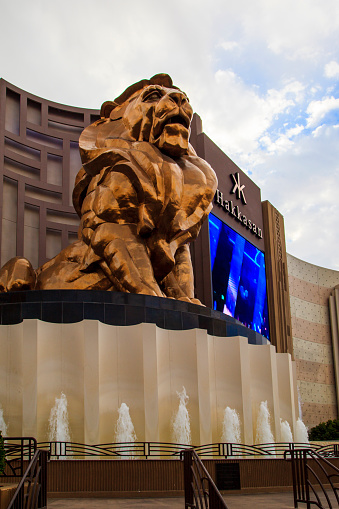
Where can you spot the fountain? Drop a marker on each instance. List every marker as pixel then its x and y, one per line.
pixel 124 432
pixel 58 424
pixel 3 425
pixel 231 427
pixel 263 433
pixel 285 431
pixel 301 433
pixel 181 422
pixel 299 403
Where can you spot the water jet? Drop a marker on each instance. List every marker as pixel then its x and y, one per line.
pixel 263 430
pixel 59 424
pixel 231 427
pixel 301 433
pixel 181 422
pixel 3 425
pixel 124 432
pixel 286 433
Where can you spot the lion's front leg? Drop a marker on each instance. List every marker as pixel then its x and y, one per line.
pixel 179 283
pixel 127 258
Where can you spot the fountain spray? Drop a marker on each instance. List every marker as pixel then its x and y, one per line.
pixel 124 432
pixel 58 424
pixel 264 434
pixel 181 422
pixel 231 427
pixel 286 433
pixel 301 433
pixel 3 425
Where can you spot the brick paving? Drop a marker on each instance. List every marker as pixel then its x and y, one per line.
pixel 260 501
pixel 281 500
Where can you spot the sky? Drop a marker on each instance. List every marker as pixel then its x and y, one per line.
pixel 262 74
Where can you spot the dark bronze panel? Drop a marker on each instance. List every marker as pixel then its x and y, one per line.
pixel 277 280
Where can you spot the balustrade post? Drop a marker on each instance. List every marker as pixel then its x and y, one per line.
pixel 188 478
pixel 43 458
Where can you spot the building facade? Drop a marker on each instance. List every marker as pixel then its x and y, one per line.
pixel 314 339
pixel 39 159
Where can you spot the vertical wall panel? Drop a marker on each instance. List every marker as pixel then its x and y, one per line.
pixel 12 115
pixel 108 381
pixel 54 169
pixel 53 243
pixel 29 377
pixel 91 383
pixel 33 112
pixel 75 165
pixel 288 403
pixel 11 380
pixel 9 219
pixel 264 385
pixel 151 400
pixel 31 235
pixel 164 384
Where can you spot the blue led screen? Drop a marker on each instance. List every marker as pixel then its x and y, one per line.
pixel 238 277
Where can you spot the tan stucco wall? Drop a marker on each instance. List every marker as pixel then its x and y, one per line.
pixel 100 366
pixel 310 287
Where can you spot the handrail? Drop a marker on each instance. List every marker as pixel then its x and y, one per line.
pixel 23 448
pixel 146 450
pixel 303 474
pixel 18 450
pixel 31 492
pixel 200 490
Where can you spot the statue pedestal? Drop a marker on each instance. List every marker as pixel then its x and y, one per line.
pixel 99 366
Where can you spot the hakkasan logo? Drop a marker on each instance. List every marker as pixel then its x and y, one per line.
pixel 238 189
pixel 234 210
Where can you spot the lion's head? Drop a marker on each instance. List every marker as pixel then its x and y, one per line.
pixel 151 110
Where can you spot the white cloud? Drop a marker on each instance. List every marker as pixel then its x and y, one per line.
pixel 302 183
pixel 292 28
pixel 283 142
pixel 317 110
pixel 332 69
pixel 255 90
pixel 294 131
pixel 236 115
pixel 229 45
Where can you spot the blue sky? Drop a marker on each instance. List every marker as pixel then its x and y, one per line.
pixel 263 75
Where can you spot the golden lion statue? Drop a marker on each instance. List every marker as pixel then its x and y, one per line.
pixel 142 196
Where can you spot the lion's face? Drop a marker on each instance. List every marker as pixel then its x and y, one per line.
pixel 156 112
pixel 161 116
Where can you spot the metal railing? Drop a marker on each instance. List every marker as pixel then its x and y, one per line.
pixel 144 450
pixel 307 481
pixel 64 450
pixel 31 492
pixel 200 490
pixel 18 451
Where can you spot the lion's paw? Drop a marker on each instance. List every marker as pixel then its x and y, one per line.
pixel 17 274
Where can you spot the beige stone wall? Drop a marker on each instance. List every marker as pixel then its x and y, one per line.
pixel 310 287
pixel 100 366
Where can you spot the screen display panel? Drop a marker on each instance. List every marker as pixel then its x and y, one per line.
pixel 238 277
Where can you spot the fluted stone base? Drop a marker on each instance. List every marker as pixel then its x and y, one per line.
pixel 99 366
